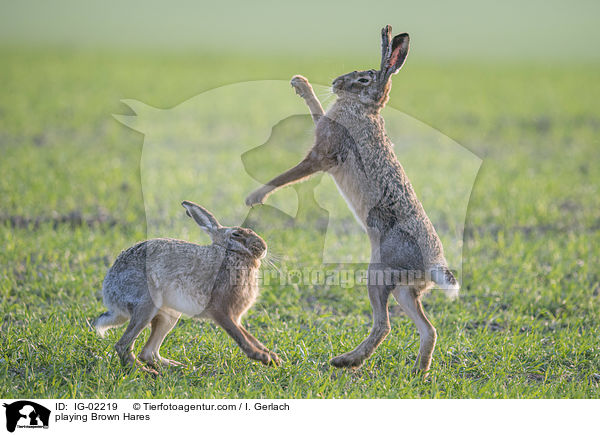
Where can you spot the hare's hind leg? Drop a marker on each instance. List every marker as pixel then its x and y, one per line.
pixel 305 90
pixel 378 295
pixel 107 320
pixel 140 317
pixel 408 298
pixel 162 324
pixel 236 332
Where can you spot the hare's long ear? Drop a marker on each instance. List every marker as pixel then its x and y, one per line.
pixel 393 51
pixel 203 217
pixel 386 39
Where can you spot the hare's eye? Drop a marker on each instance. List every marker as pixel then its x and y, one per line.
pixel 236 234
pixel 363 80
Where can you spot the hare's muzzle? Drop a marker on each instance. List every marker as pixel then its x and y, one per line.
pixel 259 249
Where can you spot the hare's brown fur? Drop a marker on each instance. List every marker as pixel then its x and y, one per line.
pixel 351 144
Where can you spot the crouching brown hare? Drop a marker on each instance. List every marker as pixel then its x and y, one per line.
pixel 352 146
pixel 157 280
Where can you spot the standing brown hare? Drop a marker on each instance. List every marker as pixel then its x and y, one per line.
pixel 351 144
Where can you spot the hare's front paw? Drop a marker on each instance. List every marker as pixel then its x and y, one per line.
pixel 274 358
pixel 301 86
pixel 266 357
pixel 256 197
pixel 261 356
pixel 350 359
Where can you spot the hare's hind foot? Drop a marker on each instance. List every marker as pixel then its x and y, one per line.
pixel 161 325
pixel 144 368
pixel 166 362
pixel 130 361
pixel 418 371
pixel 124 347
pixel 381 328
pixel 421 367
pixel 408 299
pixel 156 361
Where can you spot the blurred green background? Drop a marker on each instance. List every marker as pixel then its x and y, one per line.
pixel 512 29
pixel 516 83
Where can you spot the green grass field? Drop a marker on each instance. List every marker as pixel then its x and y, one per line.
pixel 527 324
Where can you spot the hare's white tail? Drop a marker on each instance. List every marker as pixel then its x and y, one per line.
pixel 445 280
pixel 108 320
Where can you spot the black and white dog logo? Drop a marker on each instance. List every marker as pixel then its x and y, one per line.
pixel 26 414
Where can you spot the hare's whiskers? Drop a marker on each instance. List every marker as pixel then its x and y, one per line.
pixel 274 256
pixel 271 265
